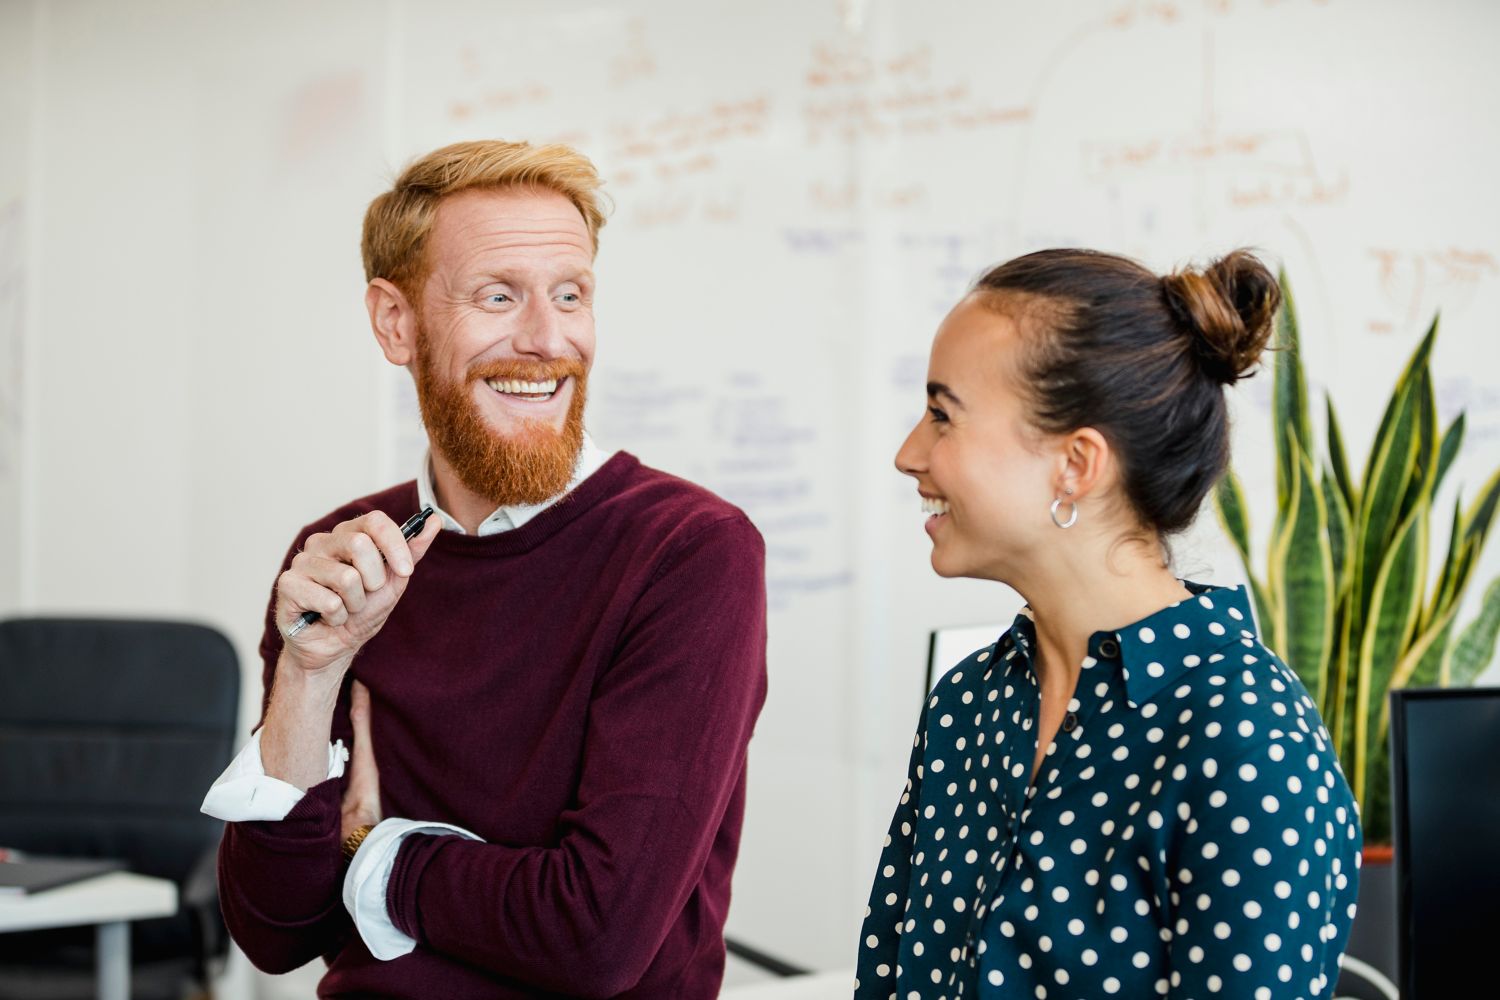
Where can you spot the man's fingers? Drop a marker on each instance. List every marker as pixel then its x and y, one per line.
pixel 365 543
pixel 386 536
pixel 423 540
pixel 361 805
pixel 335 575
pixel 305 594
pixel 363 754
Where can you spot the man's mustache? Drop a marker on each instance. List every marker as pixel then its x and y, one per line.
pixel 527 371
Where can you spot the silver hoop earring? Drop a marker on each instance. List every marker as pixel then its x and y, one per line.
pixel 1072 515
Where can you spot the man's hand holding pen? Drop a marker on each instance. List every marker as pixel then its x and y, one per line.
pixel 352 578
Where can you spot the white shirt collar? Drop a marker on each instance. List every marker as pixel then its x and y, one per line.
pixel 590 459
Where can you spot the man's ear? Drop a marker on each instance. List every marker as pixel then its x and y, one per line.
pixel 394 320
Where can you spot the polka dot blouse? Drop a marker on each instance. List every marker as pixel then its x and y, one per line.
pixel 1189 834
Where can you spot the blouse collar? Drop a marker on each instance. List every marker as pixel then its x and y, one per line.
pixel 1161 647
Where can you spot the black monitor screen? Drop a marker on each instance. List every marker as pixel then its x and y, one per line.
pixel 1446 771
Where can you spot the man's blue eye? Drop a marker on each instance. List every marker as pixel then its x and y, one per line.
pixel 570 296
pixel 498 297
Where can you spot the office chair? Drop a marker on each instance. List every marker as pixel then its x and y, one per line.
pixel 110 732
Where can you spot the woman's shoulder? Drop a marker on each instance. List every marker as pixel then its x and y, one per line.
pixel 970 674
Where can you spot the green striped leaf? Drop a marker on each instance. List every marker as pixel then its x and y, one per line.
pixel 1417 361
pixel 1394 605
pixel 1422 663
pixel 1477 521
pixel 1288 394
pixel 1229 502
pixel 1424 469
pixel 1442 593
pixel 1345 691
pixel 1384 489
pixel 1453 439
pixel 1338 458
pixel 1339 531
pixel 1264 609
pixel 1475 648
pixel 1306 570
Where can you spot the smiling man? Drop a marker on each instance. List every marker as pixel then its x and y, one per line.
pixel 558 676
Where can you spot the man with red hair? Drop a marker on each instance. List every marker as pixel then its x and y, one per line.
pixel 559 674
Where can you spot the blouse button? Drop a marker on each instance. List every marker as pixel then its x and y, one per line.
pixel 1109 647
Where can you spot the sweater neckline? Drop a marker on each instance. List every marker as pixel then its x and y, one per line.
pixel 608 479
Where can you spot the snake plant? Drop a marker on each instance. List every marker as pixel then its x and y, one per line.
pixel 1350 596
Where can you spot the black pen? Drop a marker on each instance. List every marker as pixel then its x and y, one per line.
pixel 411 529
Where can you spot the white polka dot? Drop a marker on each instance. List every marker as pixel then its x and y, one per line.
pixel 1147 635
pixel 1181 631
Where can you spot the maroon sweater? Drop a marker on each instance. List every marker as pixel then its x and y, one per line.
pixel 579 692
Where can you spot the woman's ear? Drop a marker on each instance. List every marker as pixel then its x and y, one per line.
pixel 1085 464
pixel 394 320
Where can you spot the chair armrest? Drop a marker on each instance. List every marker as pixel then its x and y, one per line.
pixel 200 899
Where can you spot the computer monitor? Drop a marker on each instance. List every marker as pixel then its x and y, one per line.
pixel 1445 771
pixel 946 647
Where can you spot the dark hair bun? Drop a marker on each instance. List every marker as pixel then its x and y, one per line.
pixel 1227 308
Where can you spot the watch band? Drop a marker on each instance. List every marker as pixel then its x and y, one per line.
pixel 352 842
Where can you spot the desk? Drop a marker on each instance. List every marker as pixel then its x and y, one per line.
pixel 818 986
pixel 110 901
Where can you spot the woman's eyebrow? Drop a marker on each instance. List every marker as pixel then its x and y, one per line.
pixel 936 389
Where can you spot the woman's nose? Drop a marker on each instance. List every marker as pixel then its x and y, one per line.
pixel 911 458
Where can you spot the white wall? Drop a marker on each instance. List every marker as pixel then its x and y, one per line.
pixel 801 191
pixel 17 105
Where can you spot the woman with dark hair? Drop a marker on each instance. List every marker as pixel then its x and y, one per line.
pixel 1127 794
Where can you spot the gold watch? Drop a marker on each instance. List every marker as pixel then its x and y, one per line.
pixel 352 842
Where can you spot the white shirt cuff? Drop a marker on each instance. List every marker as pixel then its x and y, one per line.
pixel 369 876
pixel 244 792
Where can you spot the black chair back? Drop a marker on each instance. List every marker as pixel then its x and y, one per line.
pixel 111 731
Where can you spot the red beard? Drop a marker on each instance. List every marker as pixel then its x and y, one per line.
pixel 531 464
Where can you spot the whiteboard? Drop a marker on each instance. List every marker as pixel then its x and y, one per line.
pixel 802 191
